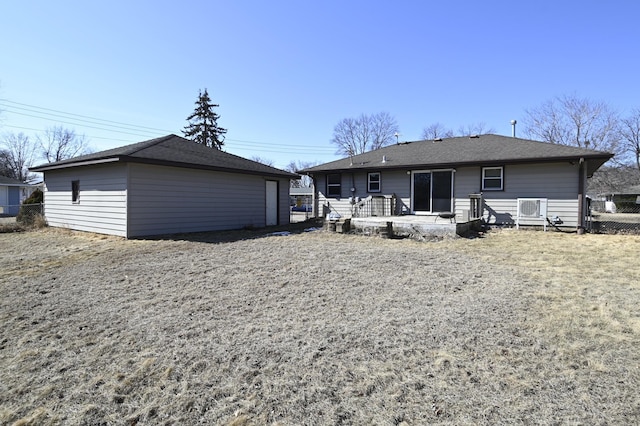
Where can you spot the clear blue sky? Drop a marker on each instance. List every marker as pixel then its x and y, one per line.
pixel 285 72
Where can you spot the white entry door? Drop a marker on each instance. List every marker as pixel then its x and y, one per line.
pixel 272 203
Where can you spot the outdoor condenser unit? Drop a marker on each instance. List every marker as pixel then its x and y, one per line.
pixel 532 210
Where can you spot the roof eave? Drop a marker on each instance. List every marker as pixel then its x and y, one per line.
pixel 47 167
pixel 158 162
pixel 379 166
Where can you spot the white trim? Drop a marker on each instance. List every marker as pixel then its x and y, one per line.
pixel 379 182
pixel 482 176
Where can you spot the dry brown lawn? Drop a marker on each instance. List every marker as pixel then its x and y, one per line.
pixel 317 328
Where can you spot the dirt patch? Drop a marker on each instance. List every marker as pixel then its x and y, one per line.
pixel 319 328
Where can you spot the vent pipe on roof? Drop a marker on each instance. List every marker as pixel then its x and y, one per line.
pixel 513 128
pixel 384 158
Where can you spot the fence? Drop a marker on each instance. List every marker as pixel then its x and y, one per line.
pixel 607 217
pixel 22 212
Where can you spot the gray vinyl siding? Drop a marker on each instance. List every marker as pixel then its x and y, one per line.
pixel 391 182
pixel 167 200
pixel 558 182
pixel 102 203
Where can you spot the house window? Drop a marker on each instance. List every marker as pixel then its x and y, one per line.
pixel 373 182
pixel 334 187
pixel 75 191
pixel 492 178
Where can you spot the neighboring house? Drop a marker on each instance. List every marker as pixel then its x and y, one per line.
pixel 12 193
pixel 301 199
pixel 163 186
pixel 626 200
pixel 519 180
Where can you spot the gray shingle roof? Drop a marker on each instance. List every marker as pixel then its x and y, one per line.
pixel 11 182
pixel 459 151
pixel 175 151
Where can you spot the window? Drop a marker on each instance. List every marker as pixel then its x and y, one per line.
pixel 75 191
pixel 334 185
pixel 373 182
pixel 492 178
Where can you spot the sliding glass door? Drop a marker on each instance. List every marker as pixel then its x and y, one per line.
pixel 432 191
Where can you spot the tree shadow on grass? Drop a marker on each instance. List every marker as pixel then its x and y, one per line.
pixel 216 237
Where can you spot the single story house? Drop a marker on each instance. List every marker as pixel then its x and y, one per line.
pixel 625 200
pixel 12 193
pixel 301 199
pixel 166 185
pixel 518 181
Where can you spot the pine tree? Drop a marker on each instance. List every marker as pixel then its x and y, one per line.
pixel 203 123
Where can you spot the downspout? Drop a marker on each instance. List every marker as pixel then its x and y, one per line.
pixel 581 197
pixel 314 197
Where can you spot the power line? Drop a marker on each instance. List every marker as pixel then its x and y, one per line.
pixel 76 124
pixel 82 116
pixel 142 131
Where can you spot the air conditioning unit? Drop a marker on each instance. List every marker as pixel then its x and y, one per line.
pixel 532 210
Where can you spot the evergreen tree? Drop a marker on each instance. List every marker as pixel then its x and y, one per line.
pixel 203 123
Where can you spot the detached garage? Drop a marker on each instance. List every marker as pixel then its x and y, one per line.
pixel 163 186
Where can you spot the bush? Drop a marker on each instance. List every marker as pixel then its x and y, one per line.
pixel 31 208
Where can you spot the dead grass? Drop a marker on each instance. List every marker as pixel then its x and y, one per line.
pixel 316 328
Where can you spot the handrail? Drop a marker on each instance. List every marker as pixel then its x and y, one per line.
pixel 380 205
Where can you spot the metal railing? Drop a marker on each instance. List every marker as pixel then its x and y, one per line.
pixel 375 205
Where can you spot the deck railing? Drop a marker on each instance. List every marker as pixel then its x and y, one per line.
pixel 476 208
pixel 379 205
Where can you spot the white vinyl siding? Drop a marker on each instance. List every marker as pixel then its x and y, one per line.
pixel 102 196
pixel 165 200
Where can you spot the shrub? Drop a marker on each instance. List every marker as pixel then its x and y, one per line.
pixel 30 208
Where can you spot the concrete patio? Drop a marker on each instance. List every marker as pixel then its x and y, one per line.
pixel 406 226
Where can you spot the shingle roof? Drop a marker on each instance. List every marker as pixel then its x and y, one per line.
pixel 175 151
pixel 7 181
pixel 459 151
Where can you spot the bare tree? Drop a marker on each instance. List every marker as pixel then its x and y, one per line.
pixel 304 181
pixel 475 129
pixel 17 156
pixel 59 143
pixel 611 179
pixel 570 120
pixel 261 160
pixel 5 165
pixel 436 131
pixel 630 136
pixel 355 136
